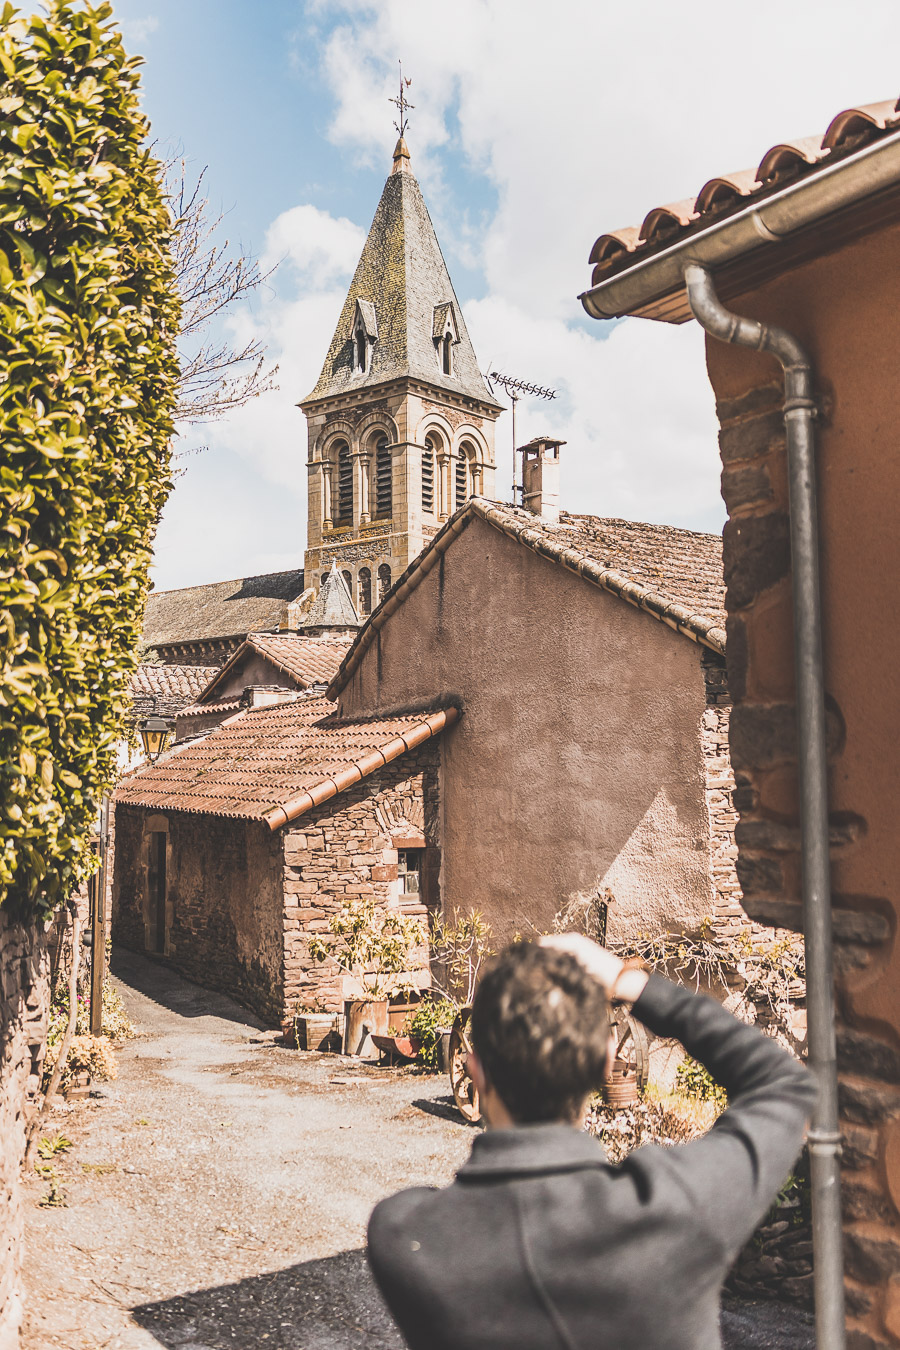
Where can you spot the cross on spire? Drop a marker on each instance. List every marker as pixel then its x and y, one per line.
pixel 402 103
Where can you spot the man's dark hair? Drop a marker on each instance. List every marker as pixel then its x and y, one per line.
pixel 540 1027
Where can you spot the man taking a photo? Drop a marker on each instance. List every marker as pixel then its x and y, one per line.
pixel 540 1243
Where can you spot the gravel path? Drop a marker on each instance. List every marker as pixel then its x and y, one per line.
pixel 218 1191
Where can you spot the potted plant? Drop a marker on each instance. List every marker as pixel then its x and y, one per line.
pixel 375 947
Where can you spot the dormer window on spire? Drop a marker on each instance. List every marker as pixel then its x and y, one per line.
pixel 445 331
pixel 363 335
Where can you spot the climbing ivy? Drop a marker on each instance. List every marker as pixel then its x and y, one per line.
pixel 88 370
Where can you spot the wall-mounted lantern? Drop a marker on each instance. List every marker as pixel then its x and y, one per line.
pixel 154 732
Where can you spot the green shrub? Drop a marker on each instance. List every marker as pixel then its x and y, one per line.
pixel 693 1080
pixel 88 372
pixel 428 1021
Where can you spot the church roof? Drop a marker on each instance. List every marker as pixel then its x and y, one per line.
pixel 274 763
pixel 673 575
pixel 222 609
pixel 333 607
pixel 402 284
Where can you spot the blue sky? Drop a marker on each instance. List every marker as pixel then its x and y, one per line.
pixel 535 129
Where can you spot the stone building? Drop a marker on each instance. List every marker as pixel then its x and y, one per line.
pixel 588 753
pixel 592 750
pixel 809 240
pixel 262 670
pixel 400 422
pixel 236 846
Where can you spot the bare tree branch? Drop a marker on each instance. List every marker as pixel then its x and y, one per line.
pixel 216 377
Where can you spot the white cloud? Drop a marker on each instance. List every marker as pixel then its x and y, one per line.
pixel 263 444
pixel 137 31
pixel 579 119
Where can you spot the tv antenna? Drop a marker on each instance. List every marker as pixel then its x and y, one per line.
pixel 517 389
pixel 402 102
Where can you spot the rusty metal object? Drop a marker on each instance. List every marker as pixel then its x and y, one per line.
pixel 465 1094
pixel 403 1047
pixel 631 1065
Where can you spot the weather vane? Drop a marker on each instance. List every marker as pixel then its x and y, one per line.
pixel 402 102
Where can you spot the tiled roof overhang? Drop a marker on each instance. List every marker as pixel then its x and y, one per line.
pixel 275 763
pixel 409 739
pixel 805 198
pixel 700 628
pixel 306 660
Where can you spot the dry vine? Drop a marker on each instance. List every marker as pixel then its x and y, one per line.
pixel 766 967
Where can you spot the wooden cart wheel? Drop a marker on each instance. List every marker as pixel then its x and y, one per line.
pixel 632 1044
pixel 465 1094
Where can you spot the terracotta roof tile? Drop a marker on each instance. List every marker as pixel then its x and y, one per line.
pixel 790 156
pixel 310 660
pixel 616 250
pixel 306 660
pixel 174 687
pixel 264 763
pixel 674 575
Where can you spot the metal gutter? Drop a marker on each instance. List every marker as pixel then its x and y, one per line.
pixel 769 220
pixel 824 1135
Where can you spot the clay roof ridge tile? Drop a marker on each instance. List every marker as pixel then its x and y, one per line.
pixel 613 250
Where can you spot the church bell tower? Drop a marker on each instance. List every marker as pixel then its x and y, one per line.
pixel 401 423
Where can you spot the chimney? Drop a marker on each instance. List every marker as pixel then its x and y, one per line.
pixel 263 695
pixel 540 478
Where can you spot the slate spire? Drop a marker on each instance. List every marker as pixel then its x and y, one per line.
pixel 333 607
pixel 401 316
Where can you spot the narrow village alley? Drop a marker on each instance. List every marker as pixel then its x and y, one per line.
pixel 218 1191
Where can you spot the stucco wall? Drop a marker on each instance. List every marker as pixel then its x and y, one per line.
pixel 577 760
pixel 846 310
pixel 225 901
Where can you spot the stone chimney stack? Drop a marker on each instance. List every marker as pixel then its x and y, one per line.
pixel 540 478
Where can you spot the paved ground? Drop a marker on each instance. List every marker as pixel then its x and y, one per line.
pixel 218 1192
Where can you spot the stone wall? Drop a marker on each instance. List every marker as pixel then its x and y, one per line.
pixel 24 1010
pixel 727 912
pixel 346 851
pixel 224 901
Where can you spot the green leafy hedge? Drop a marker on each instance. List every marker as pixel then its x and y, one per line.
pixel 88 370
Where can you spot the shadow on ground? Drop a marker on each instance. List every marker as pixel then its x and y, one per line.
pixel 329 1304
pixel 158 982
pixel 332 1304
pixel 444 1108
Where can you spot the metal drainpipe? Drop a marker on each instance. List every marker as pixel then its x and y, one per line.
pixel 824 1133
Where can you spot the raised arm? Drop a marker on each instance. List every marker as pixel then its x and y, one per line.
pixel 734 1171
